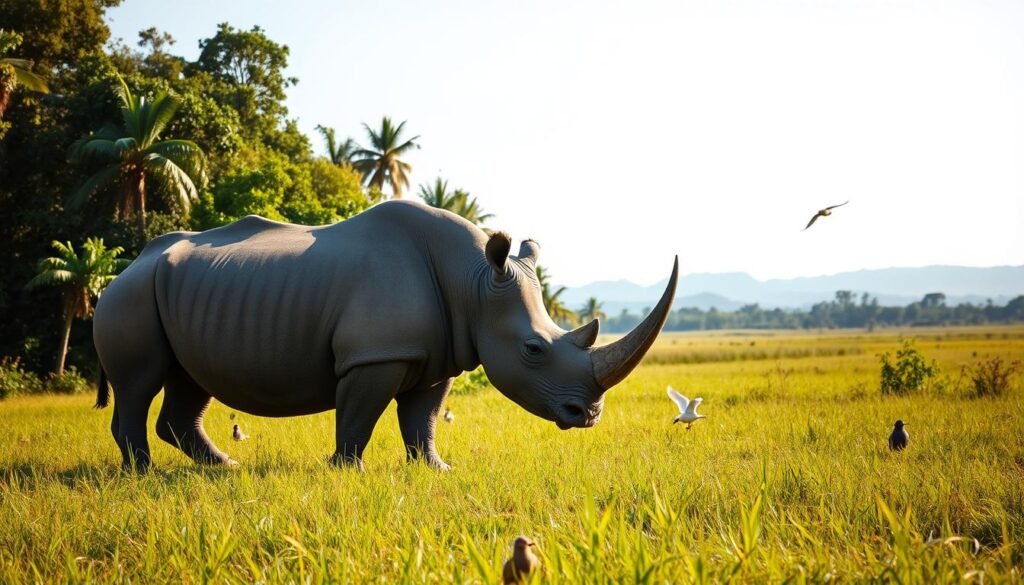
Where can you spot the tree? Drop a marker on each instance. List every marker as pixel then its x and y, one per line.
pixel 307 192
pixel 469 209
pixel 15 72
pixel 132 152
pixel 338 153
pixel 458 202
pixel 58 32
pixel 247 72
pixel 556 309
pixel 82 279
pixel 591 310
pixel 380 162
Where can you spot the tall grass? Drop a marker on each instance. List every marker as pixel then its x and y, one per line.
pixel 789 479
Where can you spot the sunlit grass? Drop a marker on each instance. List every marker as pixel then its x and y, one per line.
pixel 788 478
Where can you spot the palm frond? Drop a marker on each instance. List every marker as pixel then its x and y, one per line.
pixel 93 148
pixel 99 180
pixel 50 278
pixel 24 76
pixel 158 114
pixel 175 178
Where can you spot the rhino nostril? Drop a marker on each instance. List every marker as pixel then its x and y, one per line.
pixel 573 411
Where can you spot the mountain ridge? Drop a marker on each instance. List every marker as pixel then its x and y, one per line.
pixel 730 290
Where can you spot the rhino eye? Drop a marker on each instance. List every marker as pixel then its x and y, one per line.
pixel 534 349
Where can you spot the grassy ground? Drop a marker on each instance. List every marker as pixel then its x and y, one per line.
pixel 788 479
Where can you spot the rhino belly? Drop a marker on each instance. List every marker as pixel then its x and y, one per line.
pixel 259 342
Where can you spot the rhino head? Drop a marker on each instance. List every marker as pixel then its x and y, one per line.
pixel 555 374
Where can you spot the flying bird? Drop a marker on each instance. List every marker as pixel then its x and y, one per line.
pixel 522 564
pixel 824 213
pixel 899 438
pixel 687 408
pixel 238 435
pixel 448 416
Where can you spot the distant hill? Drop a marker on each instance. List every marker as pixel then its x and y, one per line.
pixel 731 290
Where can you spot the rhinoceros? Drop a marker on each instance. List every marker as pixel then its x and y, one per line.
pixel 276 320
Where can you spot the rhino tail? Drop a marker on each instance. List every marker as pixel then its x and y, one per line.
pixel 102 390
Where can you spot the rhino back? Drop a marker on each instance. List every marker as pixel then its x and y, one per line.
pixel 265 315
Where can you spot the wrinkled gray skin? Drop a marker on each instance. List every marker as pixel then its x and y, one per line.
pixel 275 319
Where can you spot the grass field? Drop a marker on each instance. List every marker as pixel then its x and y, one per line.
pixel 788 479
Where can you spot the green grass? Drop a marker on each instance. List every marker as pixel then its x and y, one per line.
pixel 788 479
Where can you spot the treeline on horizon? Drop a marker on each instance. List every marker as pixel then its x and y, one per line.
pixel 845 311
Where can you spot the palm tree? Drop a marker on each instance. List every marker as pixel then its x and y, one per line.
pixel 81 277
pixel 15 72
pixel 458 202
pixel 469 209
pixel 131 153
pixel 437 195
pixel 380 163
pixel 557 310
pixel 592 310
pixel 338 153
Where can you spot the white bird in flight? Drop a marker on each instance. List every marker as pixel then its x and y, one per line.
pixel 687 408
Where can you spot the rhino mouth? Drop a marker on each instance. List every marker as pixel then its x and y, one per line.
pixel 570 415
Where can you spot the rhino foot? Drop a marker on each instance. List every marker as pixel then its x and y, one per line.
pixel 347 461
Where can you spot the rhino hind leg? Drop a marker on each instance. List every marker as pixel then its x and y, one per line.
pixel 361 397
pixel 418 409
pixel 181 419
pixel 132 402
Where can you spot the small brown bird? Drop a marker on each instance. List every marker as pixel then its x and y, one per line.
pixel 824 213
pixel 522 564
pixel 238 435
pixel 448 416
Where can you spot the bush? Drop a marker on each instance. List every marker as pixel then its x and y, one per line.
pixel 910 373
pixel 70 383
pixel 991 378
pixel 471 382
pixel 14 380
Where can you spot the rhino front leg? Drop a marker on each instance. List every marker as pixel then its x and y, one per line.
pixel 417 417
pixel 362 395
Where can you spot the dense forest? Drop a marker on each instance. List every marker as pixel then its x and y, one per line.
pixel 104 145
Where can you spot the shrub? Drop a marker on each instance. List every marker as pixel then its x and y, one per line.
pixel 14 380
pixel 991 378
pixel 70 383
pixel 471 382
pixel 909 373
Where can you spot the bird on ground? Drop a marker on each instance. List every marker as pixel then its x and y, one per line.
pixel 448 416
pixel 238 435
pixel 522 564
pixel 824 213
pixel 899 438
pixel 687 408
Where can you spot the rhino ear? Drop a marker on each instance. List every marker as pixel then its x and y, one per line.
pixel 529 251
pixel 497 250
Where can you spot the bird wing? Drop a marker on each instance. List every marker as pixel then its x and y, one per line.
pixel 692 408
pixel 840 205
pixel 680 400
pixel 813 219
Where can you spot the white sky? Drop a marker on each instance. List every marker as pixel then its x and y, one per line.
pixel 621 133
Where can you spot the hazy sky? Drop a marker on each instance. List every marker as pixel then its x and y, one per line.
pixel 620 133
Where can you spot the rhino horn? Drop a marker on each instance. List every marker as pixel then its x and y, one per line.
pixel 613 362
pixel 585 336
